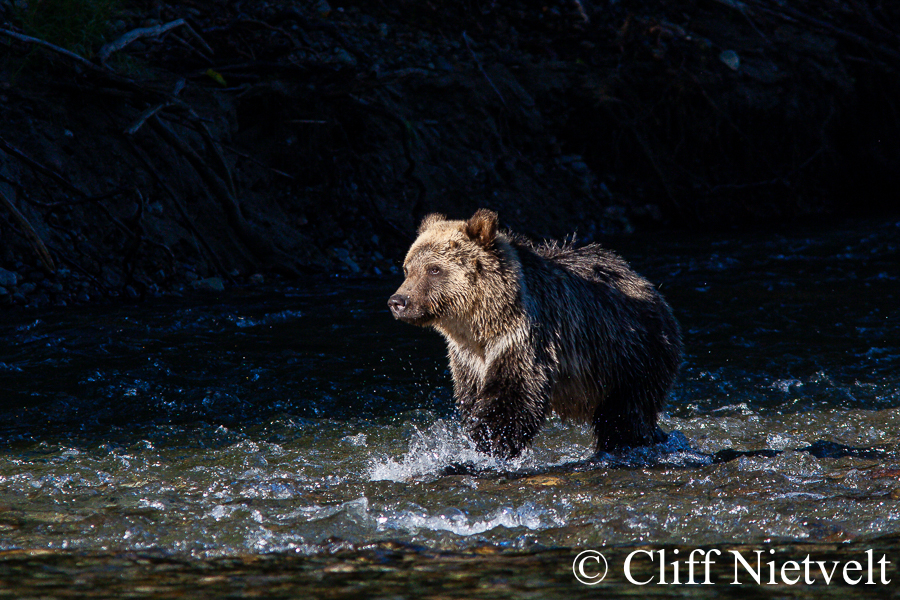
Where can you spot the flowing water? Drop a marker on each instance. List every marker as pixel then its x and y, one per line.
pixel 298 442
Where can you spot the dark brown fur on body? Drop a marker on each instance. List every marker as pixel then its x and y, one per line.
pixel 534 329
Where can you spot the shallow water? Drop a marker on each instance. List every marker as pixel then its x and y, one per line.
pixel 301 440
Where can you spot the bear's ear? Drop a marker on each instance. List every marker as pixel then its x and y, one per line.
pixel 482 227
pixel 430 220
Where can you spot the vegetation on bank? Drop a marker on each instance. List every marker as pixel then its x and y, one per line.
pixel 147 146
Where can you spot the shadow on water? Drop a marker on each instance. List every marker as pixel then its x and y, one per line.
pixel 676 451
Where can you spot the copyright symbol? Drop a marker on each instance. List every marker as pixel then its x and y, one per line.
pixel 590 567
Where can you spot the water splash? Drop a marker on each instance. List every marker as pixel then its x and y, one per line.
pixel 454 520
pixel 430 452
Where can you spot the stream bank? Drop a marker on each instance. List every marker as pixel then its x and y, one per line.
pixel 231 143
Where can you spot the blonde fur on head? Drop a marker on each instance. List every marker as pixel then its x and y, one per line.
pixel 430 220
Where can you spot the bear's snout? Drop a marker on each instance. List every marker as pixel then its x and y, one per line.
pixel 398 303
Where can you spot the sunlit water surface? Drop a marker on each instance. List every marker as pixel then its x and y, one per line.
pixel 302 431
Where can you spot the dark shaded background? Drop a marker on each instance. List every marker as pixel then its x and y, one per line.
pixel 261 139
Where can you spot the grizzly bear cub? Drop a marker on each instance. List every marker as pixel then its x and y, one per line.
pixel 539 328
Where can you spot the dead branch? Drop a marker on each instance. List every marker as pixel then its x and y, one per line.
pixel 87 200
pixel 64 259
pixel 246 156
pixel 223 169
pixel 183 42
pixel 260 247
pixel 135 231
pixel 103 72
pixel 33 238
pixel 120 225
pixel 155 109
pixel 139 227
pixel 213 257
pixel 217 179
pixel 133 129
pixel 13 151
pixel 53 47
pixel 864 11
pixel 199 39
pixel 223 191
pixel 481 68
pixel 789 14
pixel 399 74
pixel 83 197
pixel 200 126
pixel 406 137
pixel 134 35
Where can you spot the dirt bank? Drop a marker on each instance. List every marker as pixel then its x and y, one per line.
pixel 184 144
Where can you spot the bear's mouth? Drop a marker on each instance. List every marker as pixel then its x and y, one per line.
pixel 404 310
pixel 415 318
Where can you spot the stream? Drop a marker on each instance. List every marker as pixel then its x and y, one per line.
pixel 299 442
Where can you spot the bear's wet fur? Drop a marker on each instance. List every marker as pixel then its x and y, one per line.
pixel 532 329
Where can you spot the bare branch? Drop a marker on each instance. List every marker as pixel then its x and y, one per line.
pixel 13 151
pixel 146 115
pixel 188 222
pixel 30 233
pixel 481 68
pixel 155 109
pixel 135 34
pixel 39 42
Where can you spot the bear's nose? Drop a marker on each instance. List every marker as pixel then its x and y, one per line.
pixel 397 303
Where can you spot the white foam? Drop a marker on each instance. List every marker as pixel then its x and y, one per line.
pixel 429 452
pixel 444 444
pixel 456 521
pixel 359 439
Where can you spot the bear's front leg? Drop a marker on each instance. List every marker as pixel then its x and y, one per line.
pixel 507 409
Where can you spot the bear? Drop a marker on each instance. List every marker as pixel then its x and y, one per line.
pixel 534 328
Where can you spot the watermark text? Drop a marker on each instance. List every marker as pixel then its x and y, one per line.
pixel 711 566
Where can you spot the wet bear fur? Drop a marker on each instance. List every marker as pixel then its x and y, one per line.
pixel 532 329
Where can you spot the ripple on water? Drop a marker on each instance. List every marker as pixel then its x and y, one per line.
pixel 454 520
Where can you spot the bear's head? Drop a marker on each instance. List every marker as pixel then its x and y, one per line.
pixel 446 268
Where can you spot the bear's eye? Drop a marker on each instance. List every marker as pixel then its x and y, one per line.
pixel 405 271
pixel 434 270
